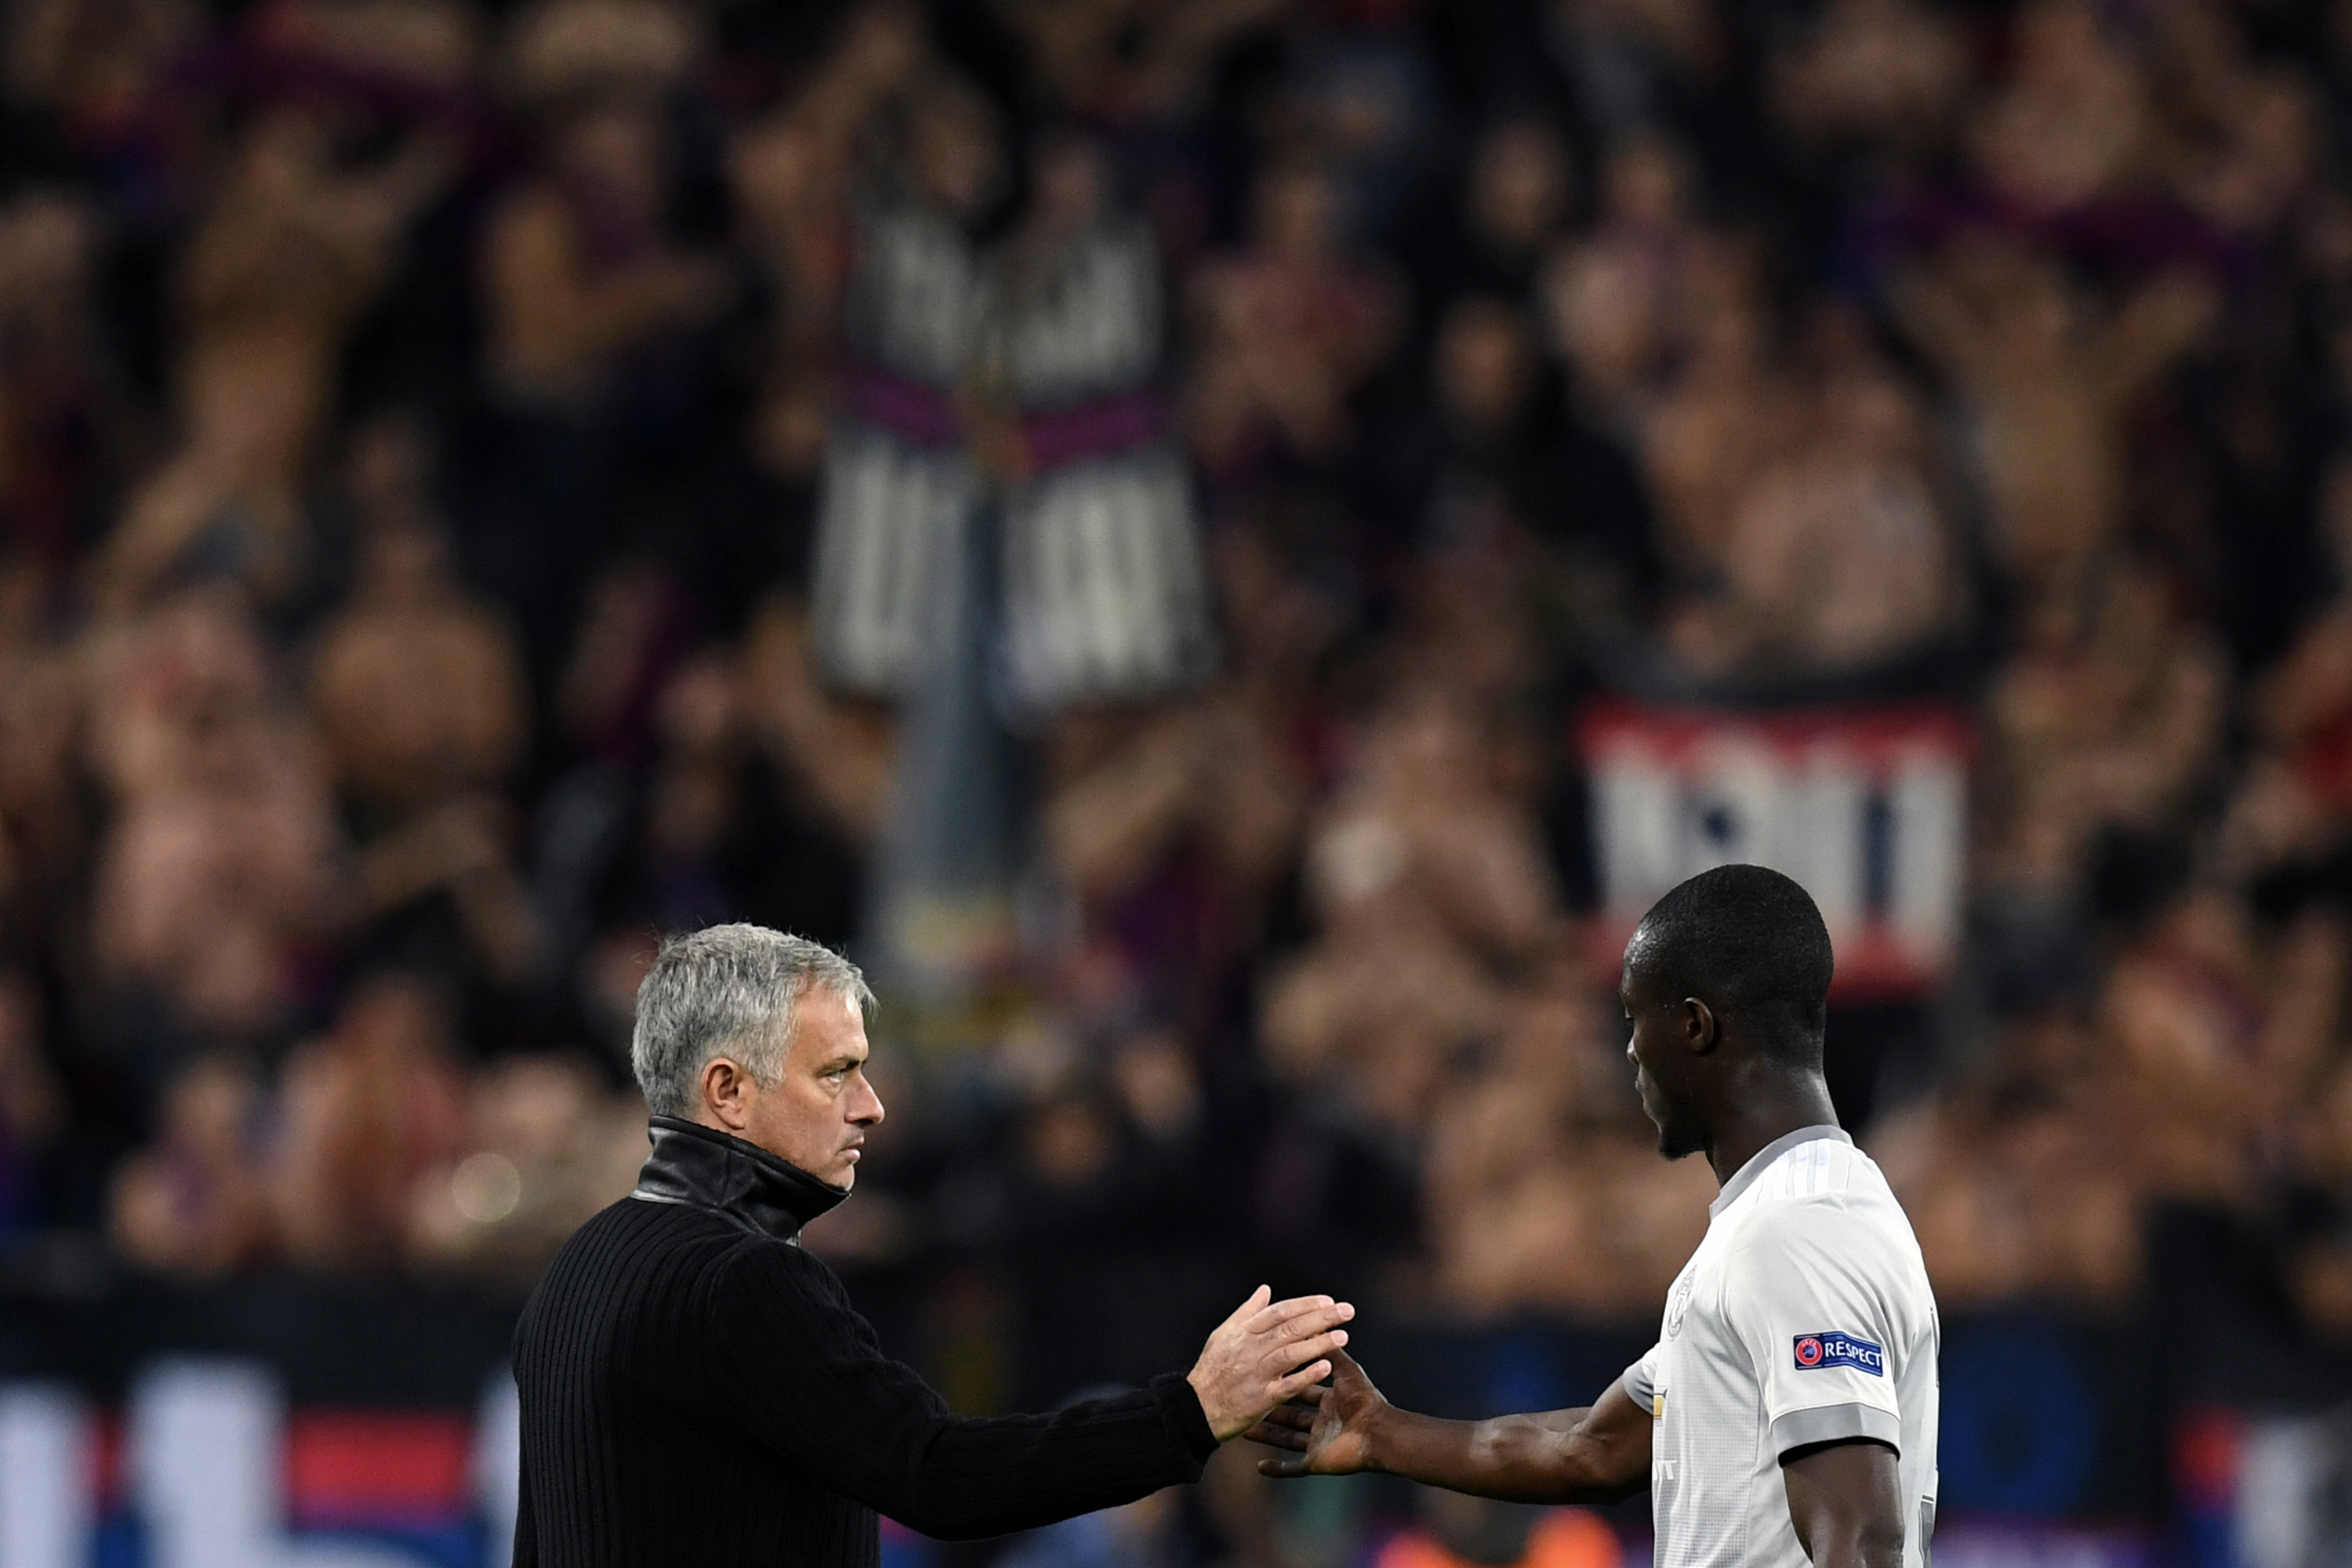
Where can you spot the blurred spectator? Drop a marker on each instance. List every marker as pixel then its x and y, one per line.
pixel 32 1108
pixel 1873 74
pixel 548 1147
pixel 1835 556
pixel 2242 134
pixel 296 243
pixel 791 175
pixel 1615 297
pixel 2220 1032
pixel 416 686
pixel 197 1202
pixel 1497 458
pixel 578 269
pixel 2109 715
pixel 2029 1181
pixel 2049 379
pixel 1286 332
pixel 1427 879
pixel 2319 1254
pixel 836 754
pixel 67 425
pixel 2019 1182
pixel 1206 777
pixel 2072 124
pixel 562 49
pixel 1730 409
pixel 1174 828
pixel 1356 104
pixel 1543 1189
pixel 1497 228
pixel 1635 59
pixel 2290 807
pixel 369 1111
pixel 44 812
pixel 219 866
pixel 95 73
pixel 727 828
pixel 1132 67
pixel 430 47
pixel 594 312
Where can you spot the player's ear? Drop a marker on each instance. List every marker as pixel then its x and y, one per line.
pixel 1700 1032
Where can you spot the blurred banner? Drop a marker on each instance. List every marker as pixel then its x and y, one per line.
pixel 2265 1488
pixel 206 1468
pixel 1019 381
pixel 1867 807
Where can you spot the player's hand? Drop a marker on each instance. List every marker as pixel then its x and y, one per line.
pixel 1328 1429
pixel 1267 1352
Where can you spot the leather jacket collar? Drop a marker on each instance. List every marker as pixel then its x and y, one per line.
pixel 702 1167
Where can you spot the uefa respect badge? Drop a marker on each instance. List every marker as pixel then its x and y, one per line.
pixel 1829 1348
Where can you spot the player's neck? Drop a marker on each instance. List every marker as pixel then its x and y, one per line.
pixel 1760 1113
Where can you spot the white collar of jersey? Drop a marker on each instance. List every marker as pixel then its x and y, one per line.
pixel 1745 1177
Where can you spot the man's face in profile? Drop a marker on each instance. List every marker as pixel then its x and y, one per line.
pixel 815 1114
pixel 1661 1059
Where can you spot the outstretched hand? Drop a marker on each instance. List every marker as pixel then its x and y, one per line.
pixel 1328 1429
pixel 1267 1352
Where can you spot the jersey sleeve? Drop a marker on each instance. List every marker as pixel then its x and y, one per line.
pixel 1803 1297
pixel 1642 1379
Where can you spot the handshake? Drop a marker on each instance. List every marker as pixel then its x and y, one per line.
pixel 1258 1377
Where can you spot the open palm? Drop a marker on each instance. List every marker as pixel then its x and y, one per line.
pixel 1328 1429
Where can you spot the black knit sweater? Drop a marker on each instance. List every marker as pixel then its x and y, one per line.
pixel 697 1390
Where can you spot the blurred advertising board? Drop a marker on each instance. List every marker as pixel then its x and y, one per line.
pixel 2010 1543
pixel 204 1466
pixel 1867 807
pixel 2263 1488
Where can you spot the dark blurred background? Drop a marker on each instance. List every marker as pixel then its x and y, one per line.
pixel 1224 549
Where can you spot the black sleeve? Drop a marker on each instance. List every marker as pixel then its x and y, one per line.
pixel 804 1373
pixel 526 1540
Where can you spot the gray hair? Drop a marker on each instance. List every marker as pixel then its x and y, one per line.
pixel 727 990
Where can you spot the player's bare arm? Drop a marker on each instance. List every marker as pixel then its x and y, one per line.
pixel 1589 1455
pixel 1846 1501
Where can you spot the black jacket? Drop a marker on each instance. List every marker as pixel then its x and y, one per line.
pixel 697 1390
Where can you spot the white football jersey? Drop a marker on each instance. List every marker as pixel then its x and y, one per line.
pixel 1804 1317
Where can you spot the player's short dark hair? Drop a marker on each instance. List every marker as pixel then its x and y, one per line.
pixel 1748 943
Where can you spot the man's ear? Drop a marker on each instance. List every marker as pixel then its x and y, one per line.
pixel 726 1093
pixel 1700 1031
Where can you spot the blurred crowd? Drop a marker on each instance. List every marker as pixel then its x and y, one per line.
pixel 484 484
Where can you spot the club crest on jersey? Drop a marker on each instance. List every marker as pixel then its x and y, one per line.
pixel 1678 1305
pixel 1830 1349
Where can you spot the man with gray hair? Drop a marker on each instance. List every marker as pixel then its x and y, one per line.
pixel 698 1389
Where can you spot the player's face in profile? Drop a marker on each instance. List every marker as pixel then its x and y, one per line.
pixel 1662 1059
